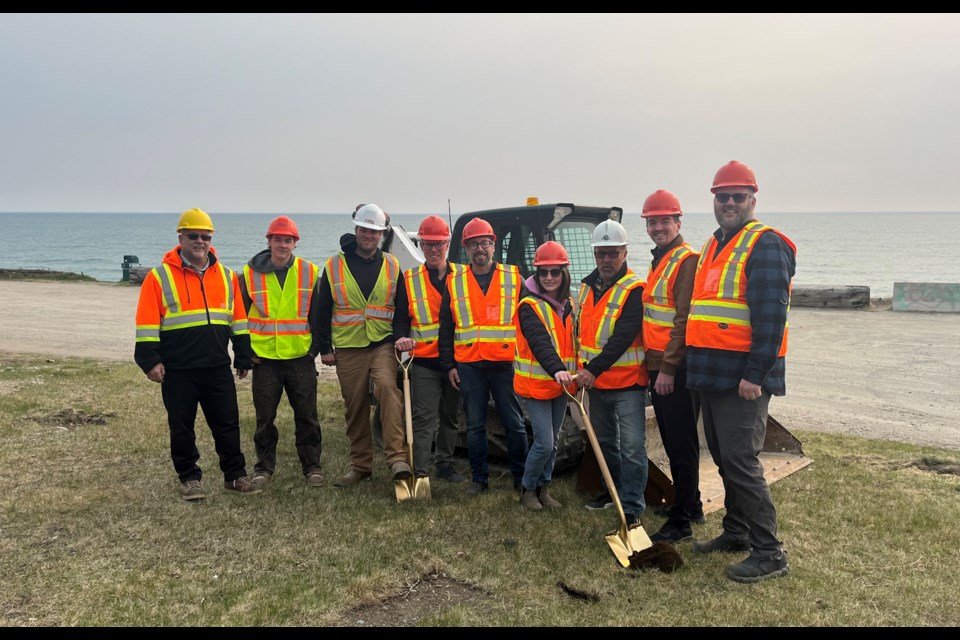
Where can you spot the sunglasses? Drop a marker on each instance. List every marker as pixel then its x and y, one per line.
pixel 553 273
pixel 608 253
pixel 206 237
pixel 739 198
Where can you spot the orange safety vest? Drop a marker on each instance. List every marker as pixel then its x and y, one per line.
pixel 424 310
pixel 485 328
pixel 719 316
pixel 530 380
pixel 659 307
pixel 597 321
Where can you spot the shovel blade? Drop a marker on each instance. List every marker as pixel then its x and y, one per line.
pixel 404 489
pixel 624 543
pixel 421 488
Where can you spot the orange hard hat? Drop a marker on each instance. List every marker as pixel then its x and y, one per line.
pixel 551 252
pixel 434 229
pixel 283 226
pixel 661 203
pixel 476 228
pixel 734 174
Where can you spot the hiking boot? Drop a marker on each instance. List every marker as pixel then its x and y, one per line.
pixel 721 544
pixel 755 569
pixel 697 517
pixel 529 501
pixel 633 520
pixel 448 473
pixel 192 490
pixel 314 479
pixel 352 478
pixel 400 470
pixel 673 532
pixel 261 478
pixel 241 485
pixel 476 488
pixel 603 500
pixel 546 499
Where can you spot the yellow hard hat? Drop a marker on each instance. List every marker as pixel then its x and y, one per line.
pixel 195 219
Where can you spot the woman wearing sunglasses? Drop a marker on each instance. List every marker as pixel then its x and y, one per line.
pixel 545 358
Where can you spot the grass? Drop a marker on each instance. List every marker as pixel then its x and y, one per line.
pixel 93 532
pixel 43 274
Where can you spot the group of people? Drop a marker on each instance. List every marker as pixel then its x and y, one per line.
pixel 705 333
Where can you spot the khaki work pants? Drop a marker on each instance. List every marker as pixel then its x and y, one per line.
pixel 355 369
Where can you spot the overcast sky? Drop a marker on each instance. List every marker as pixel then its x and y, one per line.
pixel 297 113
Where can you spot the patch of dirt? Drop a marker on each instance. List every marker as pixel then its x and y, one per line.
pixel 71 418
pixel 428 595
pixel 937 465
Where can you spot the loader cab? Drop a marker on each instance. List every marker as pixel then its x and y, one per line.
pixel 520 230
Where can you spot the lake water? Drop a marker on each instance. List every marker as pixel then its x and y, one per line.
pixel 871 249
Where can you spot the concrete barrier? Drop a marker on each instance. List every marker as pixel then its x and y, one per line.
pixel 940 297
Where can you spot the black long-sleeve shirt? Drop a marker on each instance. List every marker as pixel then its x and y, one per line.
pixel 628 325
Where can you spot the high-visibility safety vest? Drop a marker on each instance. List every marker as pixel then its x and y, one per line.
pixel 719 316
pixel 597 320
pixel 358 322
pixel 485 328
pixel 659 307
pixel 530 380
pixel 424 310
pixel 185 305
pixel 278 322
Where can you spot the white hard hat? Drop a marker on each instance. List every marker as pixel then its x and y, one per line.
pixel 370 216
pixel 609 233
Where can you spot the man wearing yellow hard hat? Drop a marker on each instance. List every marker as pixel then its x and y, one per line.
pixel 189 311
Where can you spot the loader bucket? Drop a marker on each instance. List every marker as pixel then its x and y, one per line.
pixel 782 455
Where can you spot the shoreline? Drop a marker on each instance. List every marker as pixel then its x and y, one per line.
pixel 871 372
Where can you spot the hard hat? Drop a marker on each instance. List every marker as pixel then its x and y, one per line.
pixel 370 216
pixel 734 174
pixel 476 228
pixel 550 253
pixel 609 233
pixel 283 226
pixel 195 219
pixel 434 229
pixel 661 203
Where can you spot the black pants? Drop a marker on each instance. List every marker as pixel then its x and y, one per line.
pixel 298 377
pixel 215 392
pixel 677 415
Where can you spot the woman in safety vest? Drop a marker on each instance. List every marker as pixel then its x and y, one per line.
pixel 545 357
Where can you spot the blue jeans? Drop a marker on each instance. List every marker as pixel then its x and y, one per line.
pixel 476 386
pixel 618 417
pixel 546 418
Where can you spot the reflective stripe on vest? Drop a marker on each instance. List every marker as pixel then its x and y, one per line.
pixel 357 322
pixel 278 318
pixel 659 307
pixel 424 309
pixel 719 315
pixel 596 324
pixel 175 318
pixel 484 331
pixel 530 380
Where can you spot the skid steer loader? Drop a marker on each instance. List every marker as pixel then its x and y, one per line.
pixel 520 230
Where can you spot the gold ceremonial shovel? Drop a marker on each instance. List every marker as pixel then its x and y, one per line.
pixel 412 487
pixel 626 541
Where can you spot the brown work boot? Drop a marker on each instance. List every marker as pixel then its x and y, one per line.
pixel 192 490
pixel 400 470
pixel 546 499
pixel 241 485
pixel 529 501
pixel 352 478
pixel 315 479
pixel 260 479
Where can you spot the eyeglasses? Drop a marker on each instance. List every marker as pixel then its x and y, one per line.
pixel 600 254
pixel 433 246
pixel 553 273
pixel 206 237
pixel 739 198
pixel 473 246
